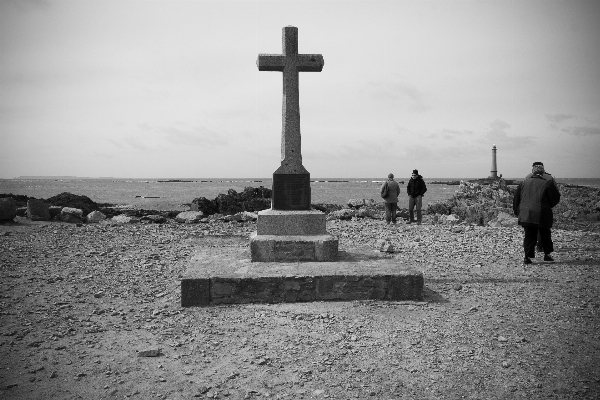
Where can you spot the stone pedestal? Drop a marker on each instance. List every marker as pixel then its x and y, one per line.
pixel 290 236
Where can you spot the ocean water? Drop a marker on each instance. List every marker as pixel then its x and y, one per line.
pixel 162 194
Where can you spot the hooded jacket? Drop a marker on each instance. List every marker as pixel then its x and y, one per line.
pixel 534 199
pixel 416 187
pixel 394 191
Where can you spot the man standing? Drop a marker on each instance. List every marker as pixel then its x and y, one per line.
pixel 533 202
pixel 539 247
pixel 389 192
pixel 416 188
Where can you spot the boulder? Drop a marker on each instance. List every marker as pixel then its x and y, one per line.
pixel 569 214
pixel 244 216
pixel 66 199
pixel 371 203
pixel 449 219
pixel 356 203
pixel 189 217
pixel 403 214
pixel 205 205
pixel 154 218
pixel 69 214
pixel 368 212
pixel 507 220
pixel 326 207
pixel 38 210
pixel 233 218
pixel 8 209
pixel 94 217
pixel 55 210
pixel 123 219
pixel 343 214
pixel 384 246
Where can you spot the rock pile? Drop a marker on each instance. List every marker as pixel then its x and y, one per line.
pixel 473 203
pixel 65 199
pixel 250 199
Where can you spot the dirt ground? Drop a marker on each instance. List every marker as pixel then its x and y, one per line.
pixel 79 305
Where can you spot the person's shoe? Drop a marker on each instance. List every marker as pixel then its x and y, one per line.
pixel 527 260
pixel 548 258
pixel 419 223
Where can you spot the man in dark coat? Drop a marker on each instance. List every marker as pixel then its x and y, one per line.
pixel 392 189
pixel 533 202
pixel 416 188
pixel 539 247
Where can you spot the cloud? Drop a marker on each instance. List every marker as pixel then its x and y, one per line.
pixel 452 134
pixel 359 150
pixel 194 136
pixel 558 118
pixel 402 92
pixel 499 126
pixel 497 134
pixel 582 130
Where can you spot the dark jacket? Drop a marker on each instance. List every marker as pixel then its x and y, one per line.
pixel 394 191
pixel 416 187
pixel 534 200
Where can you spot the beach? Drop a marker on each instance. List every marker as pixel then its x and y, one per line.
pixel 80 304
pixel 92 310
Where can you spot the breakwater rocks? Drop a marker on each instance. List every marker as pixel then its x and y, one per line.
pixel 473 204
pixel 250 199
pixel 491 204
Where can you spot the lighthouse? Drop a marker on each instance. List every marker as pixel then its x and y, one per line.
pixel 494 172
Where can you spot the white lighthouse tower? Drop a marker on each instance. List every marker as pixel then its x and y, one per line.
pixel 494 172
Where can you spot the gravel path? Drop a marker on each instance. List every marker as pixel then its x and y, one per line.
pixel 78 304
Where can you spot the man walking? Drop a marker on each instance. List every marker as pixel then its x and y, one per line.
pixel 416 188
pixel 533 202
pixel 389 192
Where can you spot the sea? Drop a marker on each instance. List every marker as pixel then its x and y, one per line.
pixel 177 194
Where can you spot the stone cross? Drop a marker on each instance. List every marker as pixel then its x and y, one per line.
pixel 291 181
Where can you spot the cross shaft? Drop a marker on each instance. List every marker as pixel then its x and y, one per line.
pixel 290 63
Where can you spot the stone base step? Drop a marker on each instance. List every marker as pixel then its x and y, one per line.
pixel 222 273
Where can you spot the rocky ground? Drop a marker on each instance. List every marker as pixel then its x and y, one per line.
pixel 80 304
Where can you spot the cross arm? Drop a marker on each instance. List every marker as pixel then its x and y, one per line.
pixel 310 62
pixel 270 62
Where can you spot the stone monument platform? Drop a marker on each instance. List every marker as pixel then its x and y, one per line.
pixel 292 236
pixel 220 272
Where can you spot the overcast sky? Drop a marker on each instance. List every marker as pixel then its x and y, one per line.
pixel 161 89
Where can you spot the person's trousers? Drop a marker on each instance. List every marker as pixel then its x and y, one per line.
pixel 412 202
pixel 390 212
pixel 530 240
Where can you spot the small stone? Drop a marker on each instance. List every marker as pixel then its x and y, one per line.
pixel 502 339
pixel 505 364
pixel 457 287
pixel 150 353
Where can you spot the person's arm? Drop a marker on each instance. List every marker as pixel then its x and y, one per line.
pixel 553 194
pixel 517 200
